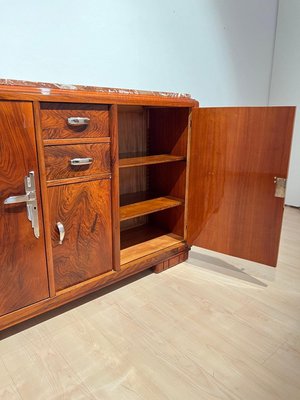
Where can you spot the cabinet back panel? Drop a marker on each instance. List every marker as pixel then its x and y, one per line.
pixel 171 220
pixel 168 130
pixel 133 138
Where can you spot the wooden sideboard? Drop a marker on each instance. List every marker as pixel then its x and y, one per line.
pixel 97 184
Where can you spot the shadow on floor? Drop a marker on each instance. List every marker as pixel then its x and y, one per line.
pixel 73 304
pixel 217 265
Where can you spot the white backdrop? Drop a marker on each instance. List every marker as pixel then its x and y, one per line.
pixel 220 51
pixel 285 87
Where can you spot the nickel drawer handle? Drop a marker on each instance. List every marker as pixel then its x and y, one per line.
pixel 82 161
pixel 78 121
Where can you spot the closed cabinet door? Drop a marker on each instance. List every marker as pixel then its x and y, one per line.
pixel 81 231
pixel 23 271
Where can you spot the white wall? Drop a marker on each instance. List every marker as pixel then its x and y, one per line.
pixel 220 51
pixel 285 87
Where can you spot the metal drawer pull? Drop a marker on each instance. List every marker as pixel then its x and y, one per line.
pixel 61 230
pixel 78 121
pixel 82 161
pixel 31 202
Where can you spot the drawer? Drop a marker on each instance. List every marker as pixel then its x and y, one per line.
pixel 66 121
pixel 58 160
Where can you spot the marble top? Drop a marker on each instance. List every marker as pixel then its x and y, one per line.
pixel 44 87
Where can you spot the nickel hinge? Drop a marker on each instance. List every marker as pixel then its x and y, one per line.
pixel 280 187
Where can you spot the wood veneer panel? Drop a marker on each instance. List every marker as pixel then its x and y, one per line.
pixel 44 198
pixel 85 211
pixel 113 120
pixel 54 142
pixel 235 154
pixel 168 131
pixel 23 271
pixel 149 160
pixel 77 179
pixel 148 207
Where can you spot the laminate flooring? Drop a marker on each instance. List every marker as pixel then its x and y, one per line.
pixel 214 327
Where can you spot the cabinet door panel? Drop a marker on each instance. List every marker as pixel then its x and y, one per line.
pixel 235 153
pixel 23 271
pixel 84 209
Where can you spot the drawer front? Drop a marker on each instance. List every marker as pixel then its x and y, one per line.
pixel 88 159
pixel 83 212
pixel 66 121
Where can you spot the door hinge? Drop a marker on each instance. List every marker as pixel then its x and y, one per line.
pixel 280 187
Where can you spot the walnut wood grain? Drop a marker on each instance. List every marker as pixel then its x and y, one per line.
pixel 58 166
pixel 171 262
pixel 85 211
pixel 55 142
pixel 23 273
pixel 149 160
pixel 148 207
pixel 115 189
pixel 235 154
pixel 54 120
pixel 44 198
pixel 77 179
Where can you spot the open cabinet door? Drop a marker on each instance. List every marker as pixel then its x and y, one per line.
pixel 235 155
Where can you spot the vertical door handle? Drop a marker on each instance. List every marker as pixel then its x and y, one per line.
pixel 61 230
pixel 31 202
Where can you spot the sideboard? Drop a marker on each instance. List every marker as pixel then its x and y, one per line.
pixel 97 184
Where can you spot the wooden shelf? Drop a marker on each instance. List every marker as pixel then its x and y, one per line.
pixel 143 240
pixel 137 197
pixel 148 206
pixel 148 160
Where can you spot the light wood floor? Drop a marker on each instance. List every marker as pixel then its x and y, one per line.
pixel 214 327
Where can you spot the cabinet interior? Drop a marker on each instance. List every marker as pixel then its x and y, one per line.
pixel 152 162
